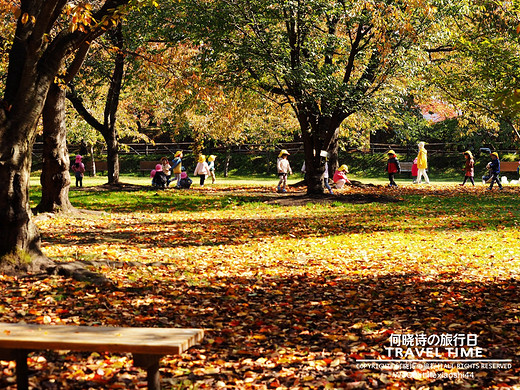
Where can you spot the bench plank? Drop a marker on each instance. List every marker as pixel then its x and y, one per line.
pixel 147 166
pixel 508 166
pixel 161 341
pixel 406 166
pixel 146 344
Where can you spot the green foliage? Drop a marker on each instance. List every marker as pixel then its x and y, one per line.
pixel 326 59
pixel 480 72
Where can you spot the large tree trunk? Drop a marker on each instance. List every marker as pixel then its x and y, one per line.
pixel 112 104
pixel 55 178
pixel 319 135
pixel 108 127
pixel 112 156
pixel 20 239
pixel 36 56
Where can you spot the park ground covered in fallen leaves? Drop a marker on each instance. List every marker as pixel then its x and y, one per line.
pixel 292 292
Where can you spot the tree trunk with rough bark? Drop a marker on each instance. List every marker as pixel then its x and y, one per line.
pixel 55 177
pixel 112 156
pixel 35 58
pixel 107 127
pixel 20 243
pixel 319 135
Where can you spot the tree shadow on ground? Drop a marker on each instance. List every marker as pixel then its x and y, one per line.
pixel 240 231
pixel 284 330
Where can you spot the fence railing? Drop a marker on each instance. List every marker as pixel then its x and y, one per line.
pixel 169 149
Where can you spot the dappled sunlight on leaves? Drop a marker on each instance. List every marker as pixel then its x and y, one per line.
pixel 290 296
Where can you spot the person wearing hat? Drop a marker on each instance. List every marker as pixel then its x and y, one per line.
pixel 284 169
pixel 79 170
pixel 422 164
pixel 469 168
pixel 211 165
pixel 202 169
pixel 176 165
pixel 495 170
pixel 340 176
pixel 392 167
pixel 158 176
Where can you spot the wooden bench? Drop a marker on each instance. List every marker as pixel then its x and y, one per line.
pixel 147 345
pixel 101 166
pixel 406 166
pixel 508 166
pixel 147 166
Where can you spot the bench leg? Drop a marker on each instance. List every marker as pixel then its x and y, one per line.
pixel 151 363
pixel 22 371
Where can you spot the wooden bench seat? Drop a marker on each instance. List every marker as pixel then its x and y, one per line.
pixel 147 345
pixel 508 166
pixel 406 166
pixel 101 166
pixel 147 166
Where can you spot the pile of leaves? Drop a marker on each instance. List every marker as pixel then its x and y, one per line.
pixel 290 297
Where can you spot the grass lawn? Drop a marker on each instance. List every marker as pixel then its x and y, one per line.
pixel 291 297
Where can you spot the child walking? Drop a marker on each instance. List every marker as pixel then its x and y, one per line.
pixel 495 170
pixel 469 168
pixel 284 169
pixel 326 177
pixel 422 164
pixel 392 167
pixel 211 165
pixel 414 170
pixel 79 170
pixel 202 169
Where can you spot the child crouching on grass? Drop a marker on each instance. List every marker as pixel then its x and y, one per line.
pixel 340 176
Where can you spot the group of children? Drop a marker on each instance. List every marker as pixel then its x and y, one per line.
pixel 420 165
pixel 284 169
pixel 162 174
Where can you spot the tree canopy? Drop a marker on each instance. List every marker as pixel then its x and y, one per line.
pixel 325 59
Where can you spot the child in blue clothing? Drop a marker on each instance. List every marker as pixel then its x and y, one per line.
pixel 211 166
pixel 495 170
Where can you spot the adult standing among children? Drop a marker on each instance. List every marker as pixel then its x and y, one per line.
pixel 284 169
pixel 422 164
pixel 469 168
pixel 202 169
pixel 495 170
